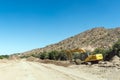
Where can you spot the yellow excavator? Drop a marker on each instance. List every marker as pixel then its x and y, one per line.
pixel 86 57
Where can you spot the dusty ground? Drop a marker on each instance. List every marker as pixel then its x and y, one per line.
pixel 24 70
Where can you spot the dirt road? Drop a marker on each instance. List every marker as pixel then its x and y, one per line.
pixel 24 70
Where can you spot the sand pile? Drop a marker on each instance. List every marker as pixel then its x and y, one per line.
pixel 116 61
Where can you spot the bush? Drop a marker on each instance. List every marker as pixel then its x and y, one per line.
pixel 43 55
pixel 100 51
pixel 24 56
pixel 116 48
pixel 76 56
pixel 114 51
pixel 61 56
pixel 53 55
pixel 4 56
pixel 81 56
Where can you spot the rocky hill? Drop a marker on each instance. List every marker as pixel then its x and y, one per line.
pixel 89 40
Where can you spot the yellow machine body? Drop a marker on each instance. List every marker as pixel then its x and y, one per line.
pixel 94 57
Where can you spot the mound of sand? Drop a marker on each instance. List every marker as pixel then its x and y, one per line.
pixel 116 61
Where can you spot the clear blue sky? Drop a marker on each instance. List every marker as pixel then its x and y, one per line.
pixel 29 24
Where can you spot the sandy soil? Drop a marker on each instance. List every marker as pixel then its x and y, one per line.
pixel 24 70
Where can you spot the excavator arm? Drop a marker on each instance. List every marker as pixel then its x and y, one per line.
pixel 70 52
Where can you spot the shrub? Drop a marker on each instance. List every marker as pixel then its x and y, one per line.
pixel 114 51
pixel 53 55
pixel 24 56
pixel 43 55
pixel 116 48
pixel 76 56
pixel 61 56
pixel 4 56
pixel 100 51
pixel 81 56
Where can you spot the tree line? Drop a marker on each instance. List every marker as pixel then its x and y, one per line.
pixel 61 55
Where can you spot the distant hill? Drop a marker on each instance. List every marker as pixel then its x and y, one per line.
pixel 89 40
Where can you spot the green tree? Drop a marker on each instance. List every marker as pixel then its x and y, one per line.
pixel 57 55
pixel 4 56
pixel 114 51
pixel 100 51
pixel 53 55
pixel 43 55
pixel 61 55
pixel 116 48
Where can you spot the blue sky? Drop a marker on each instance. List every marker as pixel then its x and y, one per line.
pixel 29 24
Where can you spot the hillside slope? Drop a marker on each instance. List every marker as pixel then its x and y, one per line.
pixel 89 40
